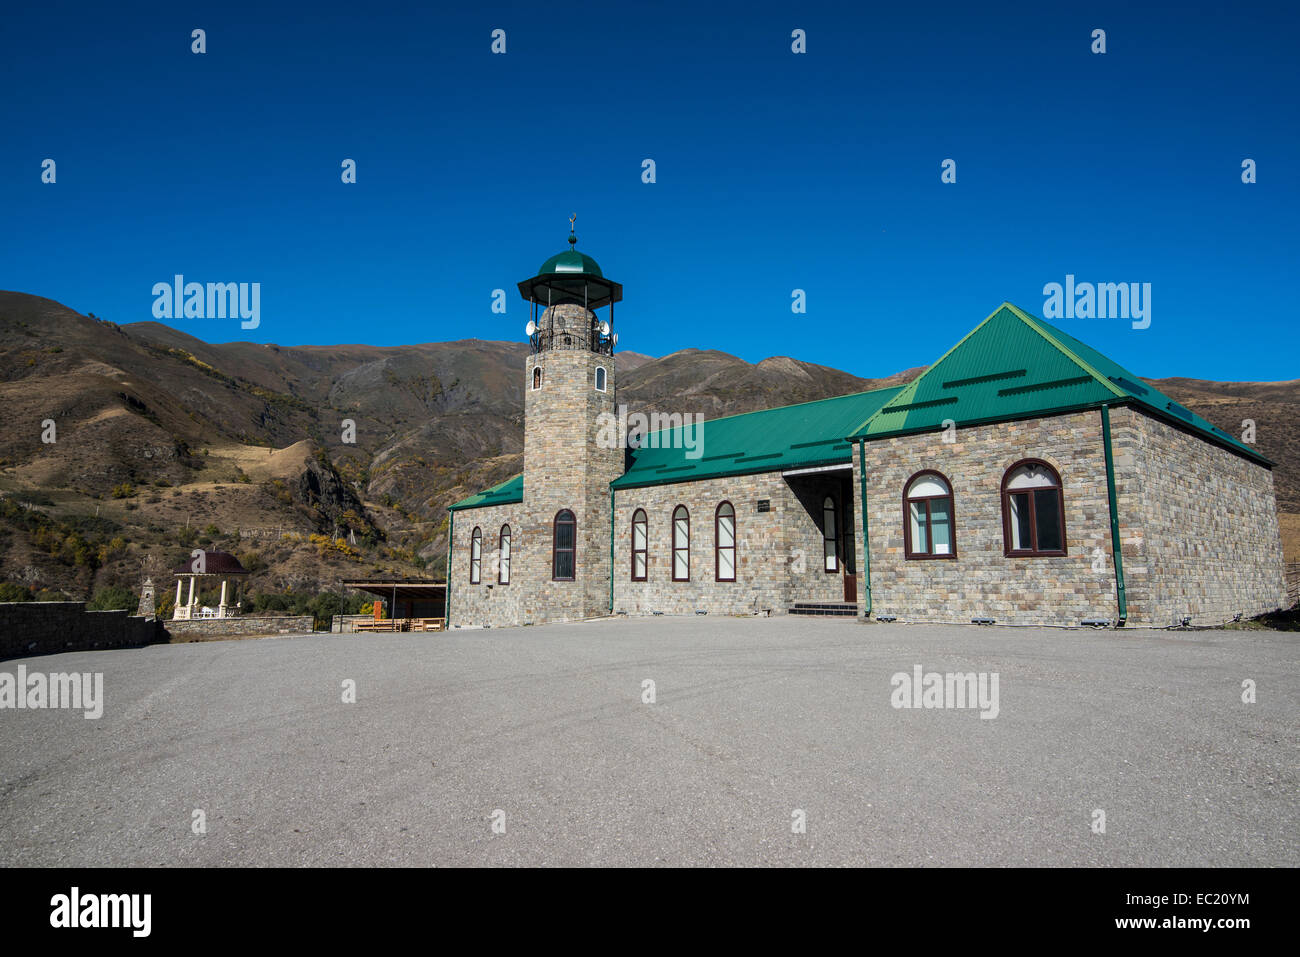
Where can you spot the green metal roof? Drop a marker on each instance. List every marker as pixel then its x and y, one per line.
pixel 793 436
pixel 570 261
pixel 1014 365
pixel 508 492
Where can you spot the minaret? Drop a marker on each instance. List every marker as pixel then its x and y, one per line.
pixel 568 463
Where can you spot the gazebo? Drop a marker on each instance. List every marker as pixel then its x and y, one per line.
pixel 205 565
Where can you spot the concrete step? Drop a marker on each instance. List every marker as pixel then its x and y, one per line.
pixel 843 609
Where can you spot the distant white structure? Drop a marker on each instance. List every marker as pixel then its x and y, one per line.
pixel 208 564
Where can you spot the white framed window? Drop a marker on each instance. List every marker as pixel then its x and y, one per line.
pixel 476 557
pixel 639 546
pixel 724 543
pixel 600 379
pixel 1033 513
pixel 503 567
pixel 681 544
pixel 928 518
pixel 830 536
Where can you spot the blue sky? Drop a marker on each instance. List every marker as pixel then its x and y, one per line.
pixel 775 171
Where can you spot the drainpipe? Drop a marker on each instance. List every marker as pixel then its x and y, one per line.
pixel 1115 551
pixel 611 551
pixel 866 542
pixel 446 592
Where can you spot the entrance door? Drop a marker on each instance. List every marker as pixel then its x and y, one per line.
pixel 850 587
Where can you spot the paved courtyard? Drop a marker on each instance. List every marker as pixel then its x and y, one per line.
pixel 753 719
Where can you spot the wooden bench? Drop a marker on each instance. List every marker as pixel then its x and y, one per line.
pixel 383 624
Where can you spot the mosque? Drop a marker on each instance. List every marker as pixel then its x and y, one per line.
pixel 1022 478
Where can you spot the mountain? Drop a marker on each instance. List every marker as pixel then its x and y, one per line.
pixel 131 443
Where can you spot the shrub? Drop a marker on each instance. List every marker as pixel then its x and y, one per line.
pixel 113 598
pixel 11 592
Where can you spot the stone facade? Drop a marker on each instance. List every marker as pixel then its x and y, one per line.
pixel 981 581
pixel 216 629
pixel 779 552
pixel 489 602
pixel 1198 526
pixel 53 627
pixel 1204 542
pixel 566 466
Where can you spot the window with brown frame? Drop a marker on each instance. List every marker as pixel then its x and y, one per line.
pixel 724 539
pixel 681 544
pixel 928 528
pixel 476 556
pixel 503 556
pixel 830 536
pixel 564 547
pixel 1033 510
pixel 640 563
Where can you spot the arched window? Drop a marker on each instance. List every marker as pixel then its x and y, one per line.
pixel 681 544
pixel 564 547
pixel 830 536
pixel 639 547
pixel 503 566
pixel 724 539
pixel 537 377
pixel 928 530
pixel 1033 513
pixel 600 378
pixel 476 556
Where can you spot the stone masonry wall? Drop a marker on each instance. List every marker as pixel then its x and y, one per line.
pixel 981 581
pixel 566 467
pixel 778 552
pixel 1204 542
pixel 489 602
pixel 216 629
pixel 47 628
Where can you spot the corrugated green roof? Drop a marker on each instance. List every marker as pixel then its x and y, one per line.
pixel 507 493
pixel 1014 365
pixel 793 436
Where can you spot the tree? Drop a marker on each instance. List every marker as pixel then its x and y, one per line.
pixel 113 598
pixel 11 592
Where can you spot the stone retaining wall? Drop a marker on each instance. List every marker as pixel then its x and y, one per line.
pixel 208 629
pixel 53 627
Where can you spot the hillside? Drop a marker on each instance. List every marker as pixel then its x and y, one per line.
pixel 161 441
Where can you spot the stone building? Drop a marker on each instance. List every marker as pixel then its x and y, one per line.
pixel 1022 478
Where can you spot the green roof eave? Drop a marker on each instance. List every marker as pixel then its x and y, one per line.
pixel 649 482
pixel 509 492
pixel 804 435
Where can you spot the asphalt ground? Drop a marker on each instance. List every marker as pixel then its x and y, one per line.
pixel 754 720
